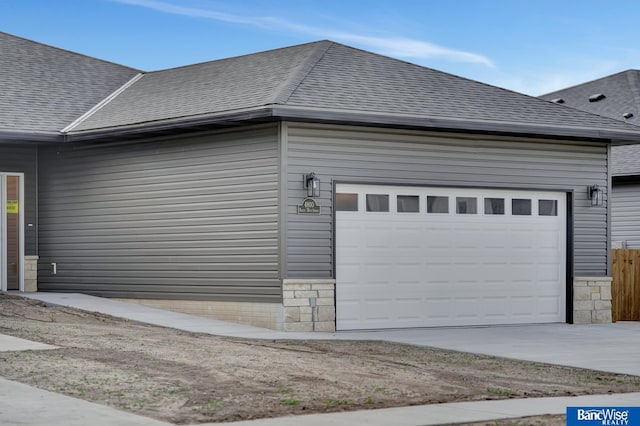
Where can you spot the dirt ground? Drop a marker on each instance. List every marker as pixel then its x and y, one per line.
pixel 184 377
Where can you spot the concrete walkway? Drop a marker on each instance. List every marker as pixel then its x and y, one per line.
pixel 608 347
pixel 445 414
pixel 10 343
pixel 25 405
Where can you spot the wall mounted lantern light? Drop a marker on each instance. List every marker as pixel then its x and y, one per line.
pixel 595 195
pixel 312 183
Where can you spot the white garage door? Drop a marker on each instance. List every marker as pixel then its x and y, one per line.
pixel 424 257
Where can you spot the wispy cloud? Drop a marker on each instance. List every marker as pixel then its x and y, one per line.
pixel 545 80
pixel 392 46
pixel 408 48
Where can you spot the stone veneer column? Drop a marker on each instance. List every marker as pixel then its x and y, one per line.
pixel 591 300
pixel 31 273
pixel 309 305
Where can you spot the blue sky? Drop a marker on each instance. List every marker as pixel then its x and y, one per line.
pixel 530 46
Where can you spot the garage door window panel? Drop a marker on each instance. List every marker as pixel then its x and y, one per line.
pixel 521 207
pixel 466 205
pixel 494 206
pixel 408 204
pixel 377 203
pixel 437 204
pixel 347 202
pixel 547 207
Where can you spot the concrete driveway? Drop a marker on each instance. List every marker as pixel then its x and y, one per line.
pixel 607 347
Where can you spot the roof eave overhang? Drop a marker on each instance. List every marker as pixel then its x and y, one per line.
pixel 281 112
pixel 227 119
pixel 458 125
pixel 7 136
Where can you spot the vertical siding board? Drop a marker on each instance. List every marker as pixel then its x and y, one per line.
pixel 192 217
pixel 361 155
pixel 23 159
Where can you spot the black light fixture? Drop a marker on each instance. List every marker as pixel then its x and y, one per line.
pixel 595 195
pixel 312 183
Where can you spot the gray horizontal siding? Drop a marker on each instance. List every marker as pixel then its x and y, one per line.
pixel 625 214
pixel 185 218
pixel 23 159
pixel 361 155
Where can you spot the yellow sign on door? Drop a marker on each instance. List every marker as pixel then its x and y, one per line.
pixel 12 206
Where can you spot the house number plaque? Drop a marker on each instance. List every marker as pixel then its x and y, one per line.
pixel 308 206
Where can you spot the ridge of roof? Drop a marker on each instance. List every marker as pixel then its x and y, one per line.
pixel 289 86
pixel 102 103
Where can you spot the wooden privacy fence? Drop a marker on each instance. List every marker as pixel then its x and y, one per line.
pixel 625 287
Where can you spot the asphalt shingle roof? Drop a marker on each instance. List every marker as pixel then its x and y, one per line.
pixel 54 91
pixel 350 79
pixel 621 96
pixel 43 88
pixel 327 76
pixel 625 160
pixel 224 85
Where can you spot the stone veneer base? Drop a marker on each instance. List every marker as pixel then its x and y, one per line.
pixel 31 273
pixel 592 300
pixel 309 304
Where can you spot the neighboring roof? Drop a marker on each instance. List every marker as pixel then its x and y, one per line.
pixel 329 81
pixel 616 96
pixel 43 88
pixel 625 160
pixel 612 96
pixel 84 98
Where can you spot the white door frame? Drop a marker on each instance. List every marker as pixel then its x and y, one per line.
pixel 3 230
